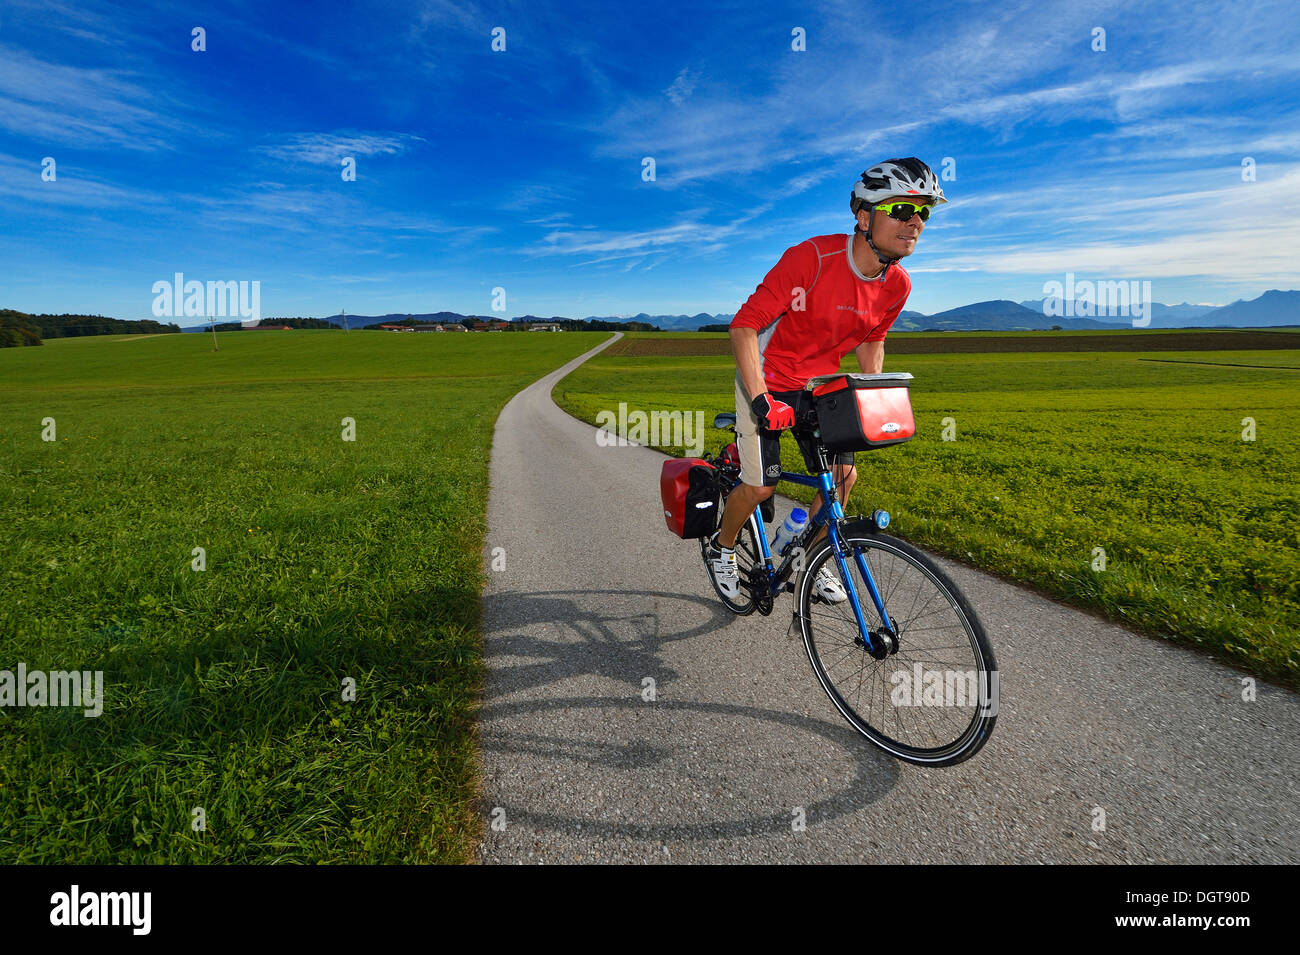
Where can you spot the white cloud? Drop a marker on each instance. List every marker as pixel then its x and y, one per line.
pixel 20 179
pixel 682 86
pixel 1239 232
pixel 83 106
pixel 329 148
pixel 636 244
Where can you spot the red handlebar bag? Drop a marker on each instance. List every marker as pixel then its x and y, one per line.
pixel 861 412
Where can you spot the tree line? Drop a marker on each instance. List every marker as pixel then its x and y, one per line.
pixel 20 328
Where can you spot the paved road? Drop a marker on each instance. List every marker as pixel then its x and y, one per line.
pixel 596 596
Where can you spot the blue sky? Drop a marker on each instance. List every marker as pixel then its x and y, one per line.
pixel 522 169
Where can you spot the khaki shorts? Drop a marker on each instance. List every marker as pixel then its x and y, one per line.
pixel 760 450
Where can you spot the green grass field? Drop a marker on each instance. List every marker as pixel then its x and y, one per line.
pixel 326 560
pixel 1056 455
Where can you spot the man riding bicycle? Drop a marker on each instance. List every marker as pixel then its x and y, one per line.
pixel 826 297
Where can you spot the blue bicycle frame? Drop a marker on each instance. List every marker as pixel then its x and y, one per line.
pixel 830 515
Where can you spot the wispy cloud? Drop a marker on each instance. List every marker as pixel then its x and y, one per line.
pixel 72 188
pixel 444 14
pixel 329 148
pixel 624 244
pixel 1244 233
pixel 682 86
pixel 321 212
pixel 523 168
pixel 82 106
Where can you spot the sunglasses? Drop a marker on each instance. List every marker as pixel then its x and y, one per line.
pixel 903 211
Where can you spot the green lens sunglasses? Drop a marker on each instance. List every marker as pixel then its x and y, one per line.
pixel 903 211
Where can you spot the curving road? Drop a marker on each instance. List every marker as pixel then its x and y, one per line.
pixel 739 743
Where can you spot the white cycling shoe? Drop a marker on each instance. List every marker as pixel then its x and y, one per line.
pixel 723 569
pixel 828 588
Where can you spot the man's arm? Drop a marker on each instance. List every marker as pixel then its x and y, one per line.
pixel 797 268
pixel 871 357
pixel 744 343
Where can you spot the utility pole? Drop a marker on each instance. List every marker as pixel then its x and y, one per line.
pixel 344 313
pixel 212 322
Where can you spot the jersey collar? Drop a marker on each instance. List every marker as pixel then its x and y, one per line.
pixel 848 252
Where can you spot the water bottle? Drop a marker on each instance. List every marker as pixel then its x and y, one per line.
pixel 792 528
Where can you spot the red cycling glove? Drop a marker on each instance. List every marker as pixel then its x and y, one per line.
pixel 772 415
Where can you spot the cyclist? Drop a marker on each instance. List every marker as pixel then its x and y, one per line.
pixel 826 297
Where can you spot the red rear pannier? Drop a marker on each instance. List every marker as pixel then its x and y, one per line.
pixel 689 488
pixel 860 412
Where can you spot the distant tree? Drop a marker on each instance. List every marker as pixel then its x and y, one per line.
pixel 16 329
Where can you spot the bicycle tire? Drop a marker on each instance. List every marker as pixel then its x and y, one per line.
pixel 844 668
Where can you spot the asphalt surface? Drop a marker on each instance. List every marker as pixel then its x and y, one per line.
pixel 740 742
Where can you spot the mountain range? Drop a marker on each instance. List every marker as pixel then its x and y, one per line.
pixel 1274 307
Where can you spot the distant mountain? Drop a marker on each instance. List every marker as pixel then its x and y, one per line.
pixel 1161 315
pixel 910 321
pixel 1000 315
pixel 1274 307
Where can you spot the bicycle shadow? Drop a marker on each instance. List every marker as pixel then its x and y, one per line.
pixel 621 647
pixel 563 637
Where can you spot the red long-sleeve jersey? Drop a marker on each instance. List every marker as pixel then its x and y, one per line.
pixel 840 310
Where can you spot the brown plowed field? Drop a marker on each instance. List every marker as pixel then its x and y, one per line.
pixel 1246 340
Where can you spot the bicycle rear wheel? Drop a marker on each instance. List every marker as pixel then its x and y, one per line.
pixel 748 557
pixel 934 700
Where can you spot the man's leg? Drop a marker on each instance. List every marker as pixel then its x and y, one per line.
pixel 740 504
pixel 760 452
pixel 827 586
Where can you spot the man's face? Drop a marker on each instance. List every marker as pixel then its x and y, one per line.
pixel 894 238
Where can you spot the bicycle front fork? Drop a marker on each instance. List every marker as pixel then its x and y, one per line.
pixel 834 523
pixel 830 516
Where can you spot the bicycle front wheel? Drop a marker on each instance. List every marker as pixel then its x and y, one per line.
pixel 934 699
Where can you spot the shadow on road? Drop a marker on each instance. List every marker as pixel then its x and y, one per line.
pixel 559 635
pixel 621 647
pixel 876 773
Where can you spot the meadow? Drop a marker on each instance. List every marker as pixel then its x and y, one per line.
pixel 309 695
pixel 1129 483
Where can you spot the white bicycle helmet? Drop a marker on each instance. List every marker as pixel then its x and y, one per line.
pixel 893 177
